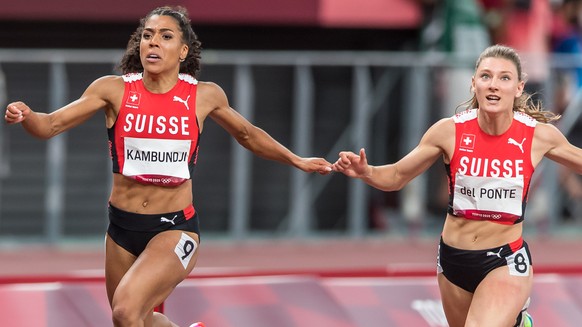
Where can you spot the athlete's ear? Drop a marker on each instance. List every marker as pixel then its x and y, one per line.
pixel 184 52
pixel 520 87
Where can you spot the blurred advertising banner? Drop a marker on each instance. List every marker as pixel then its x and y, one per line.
pixel 332 13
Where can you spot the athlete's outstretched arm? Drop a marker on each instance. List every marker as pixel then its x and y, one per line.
pixel 392 177
pixel 47 125
pixel 252 137
pixel 550 142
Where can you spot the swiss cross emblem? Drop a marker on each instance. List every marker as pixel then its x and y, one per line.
pixel 467 141
pixel 133 98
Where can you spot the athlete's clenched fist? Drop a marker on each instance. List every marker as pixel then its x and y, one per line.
pixel 16 112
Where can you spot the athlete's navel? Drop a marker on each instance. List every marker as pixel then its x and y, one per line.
pixel 474 238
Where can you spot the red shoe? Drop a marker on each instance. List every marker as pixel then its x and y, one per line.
pixel 198 324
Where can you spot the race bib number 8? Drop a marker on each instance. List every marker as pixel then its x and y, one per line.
pixel 518 263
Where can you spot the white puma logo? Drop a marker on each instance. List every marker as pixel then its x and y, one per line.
pixel 490 253
pixel 514 142
pixel 166 220
pixel 185 102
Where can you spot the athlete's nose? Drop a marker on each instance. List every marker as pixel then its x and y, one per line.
pixel 154 40
pixel 493 83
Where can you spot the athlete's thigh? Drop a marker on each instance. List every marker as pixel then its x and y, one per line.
pixel 167 260
pixel 117 263
pixel 456 301
pixel 499 298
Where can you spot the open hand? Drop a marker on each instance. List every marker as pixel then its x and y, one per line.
pixel 352 165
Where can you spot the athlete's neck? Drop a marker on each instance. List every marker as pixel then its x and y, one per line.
pixel 158 83
pixel 495 123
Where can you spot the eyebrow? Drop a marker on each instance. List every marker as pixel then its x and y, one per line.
pixel 500 72
pixel 151 29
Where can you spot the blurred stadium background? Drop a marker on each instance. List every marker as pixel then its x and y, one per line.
pixel 318 75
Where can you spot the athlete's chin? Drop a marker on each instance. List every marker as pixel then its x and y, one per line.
pixel 493 108
pixel 153 69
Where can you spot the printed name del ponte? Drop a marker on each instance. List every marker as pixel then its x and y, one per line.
pixel 489 193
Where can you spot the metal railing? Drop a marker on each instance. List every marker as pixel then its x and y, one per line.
pixel 409 74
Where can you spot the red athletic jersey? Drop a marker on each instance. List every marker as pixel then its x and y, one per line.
pixel 489 175
pixel 155 137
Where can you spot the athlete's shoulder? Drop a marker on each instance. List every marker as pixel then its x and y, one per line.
pixel 548 133
pixel 109 79
pixel 209 85
pixel 441 132
pixel 106 84
pixel 210 90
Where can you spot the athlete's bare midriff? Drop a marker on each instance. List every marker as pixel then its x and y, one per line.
pixel 132 196
pixel 469 234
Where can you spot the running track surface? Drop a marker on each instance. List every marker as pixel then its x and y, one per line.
pixel 334 282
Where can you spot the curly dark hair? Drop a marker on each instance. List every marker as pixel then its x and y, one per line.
pixel 131 63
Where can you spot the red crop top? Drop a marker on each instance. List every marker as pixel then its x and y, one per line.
pixel 155 137
pixel 489 175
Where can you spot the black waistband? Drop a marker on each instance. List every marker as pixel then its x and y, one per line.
pixel 149 222
pixel 476 256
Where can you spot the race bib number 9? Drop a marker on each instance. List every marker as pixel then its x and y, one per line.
pixel 185 249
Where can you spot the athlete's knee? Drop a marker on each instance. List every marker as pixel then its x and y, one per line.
pixel 126 312
pixel 125 315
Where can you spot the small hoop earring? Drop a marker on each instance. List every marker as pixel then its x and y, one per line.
pixel 182 60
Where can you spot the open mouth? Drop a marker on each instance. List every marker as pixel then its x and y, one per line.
pixel 153 57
